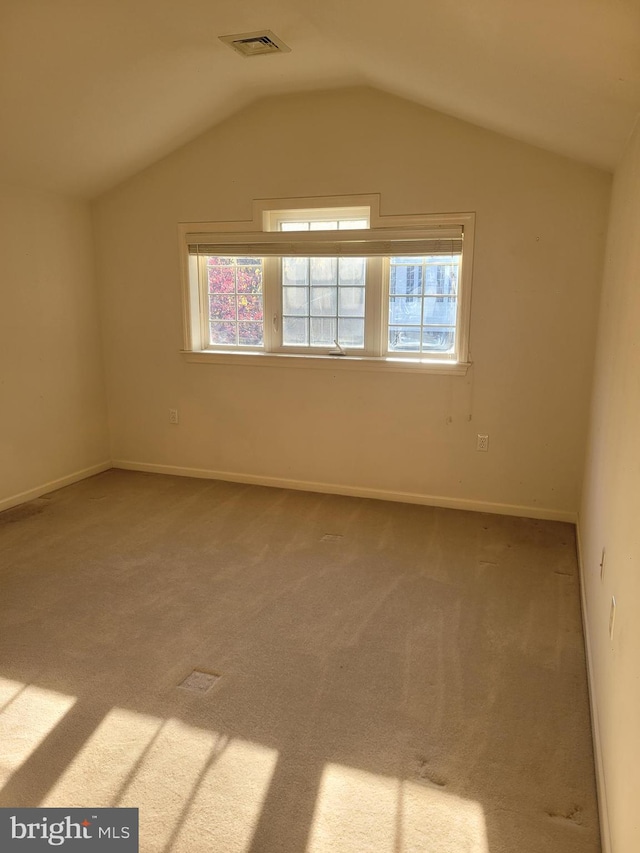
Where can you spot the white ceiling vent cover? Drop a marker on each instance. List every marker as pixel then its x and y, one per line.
pixel 256 44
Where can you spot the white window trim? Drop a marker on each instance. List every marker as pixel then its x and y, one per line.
pixel 264 211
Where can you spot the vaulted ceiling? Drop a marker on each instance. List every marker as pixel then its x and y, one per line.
pixel 91 91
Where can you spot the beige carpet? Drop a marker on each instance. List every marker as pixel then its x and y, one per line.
pixel 395 678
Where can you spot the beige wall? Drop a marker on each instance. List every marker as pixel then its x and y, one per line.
pixel 610 513
pixel 53 421
pixel 540 226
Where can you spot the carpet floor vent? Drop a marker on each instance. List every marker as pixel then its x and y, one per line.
pixel 199 682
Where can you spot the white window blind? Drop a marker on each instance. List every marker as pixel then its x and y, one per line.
pixel 360 243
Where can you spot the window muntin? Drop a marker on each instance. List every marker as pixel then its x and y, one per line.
pixel 415 300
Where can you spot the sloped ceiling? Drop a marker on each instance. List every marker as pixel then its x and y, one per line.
pixel 91 91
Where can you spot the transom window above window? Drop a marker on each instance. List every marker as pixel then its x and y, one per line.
pixel 326 282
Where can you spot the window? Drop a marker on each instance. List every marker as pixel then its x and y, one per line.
pixel 323 298
pixel 328 282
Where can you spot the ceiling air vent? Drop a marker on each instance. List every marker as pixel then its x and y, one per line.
pixel 256 44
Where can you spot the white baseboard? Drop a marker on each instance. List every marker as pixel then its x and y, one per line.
pixel 32 494
pixel 603 811
pixel 351 491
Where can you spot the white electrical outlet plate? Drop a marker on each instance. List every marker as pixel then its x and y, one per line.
pixel 173 416
pixel 602 566
pixel 612 616
pixel 483 442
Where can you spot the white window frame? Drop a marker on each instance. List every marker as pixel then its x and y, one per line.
pixel 267 214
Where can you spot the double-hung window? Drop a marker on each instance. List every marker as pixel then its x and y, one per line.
pixel 331 283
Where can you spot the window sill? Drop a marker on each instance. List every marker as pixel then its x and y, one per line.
pixel 327 362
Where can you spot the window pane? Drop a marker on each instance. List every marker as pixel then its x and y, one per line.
pixel 324 301
pixel 351 301
pixel 441 278
pixel 222 306
pixel 295 271
pixel 405 309
pixel 323 331
pixel 324 225
pixel 250 334
pixel 406 279
pixel 351 333
pixel 213 261
pixel 438 340
pixel 347 224
pixel 294 226
pixel 404 339
pixel 295 300
pixel 250 307
pixel 323 270
pixel 440 310
pixel 351 271
pixel 223 333
pixel 249 278
pixel 221 278
pixel 294 331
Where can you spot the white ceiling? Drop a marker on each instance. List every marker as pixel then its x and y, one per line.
pixel 93 90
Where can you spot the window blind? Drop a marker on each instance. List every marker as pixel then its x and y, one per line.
pixel 355 243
